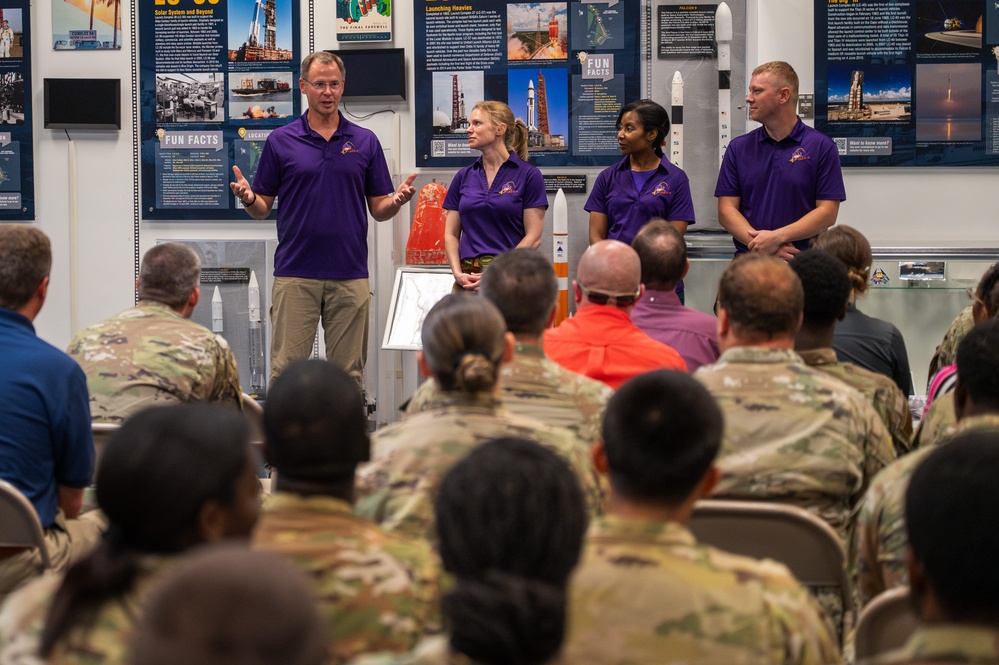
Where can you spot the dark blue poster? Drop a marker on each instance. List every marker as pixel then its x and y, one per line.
pixel 216 76
pixel 908 83
pixel 17 176
pixel 565 68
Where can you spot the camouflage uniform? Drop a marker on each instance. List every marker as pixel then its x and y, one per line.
pixel 410 457
pixel 794 434
pixel 378 590
pixel 532 385
pixel 23 616
pixel 939 418
pixel 946 353
pixel 880 538
pixel 151 355
pixel 880 390
pixel 647 592
pixel 430 651
pixel 945 644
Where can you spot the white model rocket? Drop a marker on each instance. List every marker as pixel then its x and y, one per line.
pixel 723 35
pixel 216 311
pixel 560 256
pixel 676 140
pixel 256 335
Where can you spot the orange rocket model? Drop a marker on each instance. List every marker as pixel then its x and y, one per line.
pixel 426 236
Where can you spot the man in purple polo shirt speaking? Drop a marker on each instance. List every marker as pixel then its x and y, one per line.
pixel 325 169
pixel 780 184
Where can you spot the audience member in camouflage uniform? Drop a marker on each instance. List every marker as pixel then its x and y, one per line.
pixel 952 508
pixel 464 344
pixel 946 352
pixel 511 522
pixel 153 354
pixel 792 433
pixel 881 534
pixel 377 591
pixel 157 508
pixel 522 284
pixel 646 591
pixel 230 606
pixel 826 284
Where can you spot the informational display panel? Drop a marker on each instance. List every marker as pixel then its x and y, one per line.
pixel 565 68
pixel 17 176
pixel 908 82
pixel 216 77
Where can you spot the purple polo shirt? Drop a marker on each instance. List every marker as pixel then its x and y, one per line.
pixel 693 334
pixel 322 222
pixel 779 182
pixel 492 218
pixel 666 194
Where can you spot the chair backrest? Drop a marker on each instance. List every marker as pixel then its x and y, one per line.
pixel 19 523
pixel 788 534
pixel 102 432
pixel 885 623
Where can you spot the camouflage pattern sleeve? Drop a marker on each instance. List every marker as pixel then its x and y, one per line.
pixel 893 407
pixel 946 353
pixel 879 451
pixel 423 397
pixel 801 633
pixel 430 651
pixel 938 419
pixel 226 388
pixel 879 539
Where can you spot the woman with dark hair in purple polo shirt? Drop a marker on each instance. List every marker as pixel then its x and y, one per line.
pixel 498 202
pixel 643 185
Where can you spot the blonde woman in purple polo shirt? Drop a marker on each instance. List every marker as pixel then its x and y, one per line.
pixel 643 185
pixel 496 203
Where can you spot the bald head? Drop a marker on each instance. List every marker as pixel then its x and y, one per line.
pixel 762 299
pixel 610 267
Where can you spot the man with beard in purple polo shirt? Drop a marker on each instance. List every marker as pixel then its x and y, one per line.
pixel 325 169
pixel 780 184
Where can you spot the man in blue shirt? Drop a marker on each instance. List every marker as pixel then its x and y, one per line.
pixel 781 184
pixel 46 447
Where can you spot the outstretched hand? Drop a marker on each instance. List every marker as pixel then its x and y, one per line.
pixel 406 190
pixel 241 188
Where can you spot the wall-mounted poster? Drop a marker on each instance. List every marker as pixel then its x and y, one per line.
pixel 565 68
pixel 908 82
pixel 216 78
pixel 17 179
pixel 363 20
pixel 85 25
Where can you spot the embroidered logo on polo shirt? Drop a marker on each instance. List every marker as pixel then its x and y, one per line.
pixel 348 147
pixel 798 155
pixel 509 187
pixel 661 189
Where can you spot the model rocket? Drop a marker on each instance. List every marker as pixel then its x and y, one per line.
pixel 560 257
pixel 216 311
pixel 723 35
pixel 676 141
pixel 256 336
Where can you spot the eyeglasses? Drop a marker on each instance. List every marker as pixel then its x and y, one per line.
pixel 613 299
pixel 319 86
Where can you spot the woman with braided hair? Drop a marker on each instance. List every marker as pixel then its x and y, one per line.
pixel 465 342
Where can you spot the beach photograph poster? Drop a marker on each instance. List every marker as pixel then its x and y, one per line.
pixel 86 24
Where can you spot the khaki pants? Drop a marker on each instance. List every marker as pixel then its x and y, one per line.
pixel 68 541
pixel 297 307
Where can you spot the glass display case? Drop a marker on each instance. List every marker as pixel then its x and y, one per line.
pixel 920 290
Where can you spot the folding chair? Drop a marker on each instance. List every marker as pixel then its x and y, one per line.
pixel 885 623
pixel 19 523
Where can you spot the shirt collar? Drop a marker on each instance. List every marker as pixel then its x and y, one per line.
pixel 951 643
pixel 661 298
pixel 614 527
pixel 664 166
pixel 797 132
pixel 345 127
pixel 755 354
pixel 316 503
pixel 814 357
pixel 15 318
pixel 513 160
